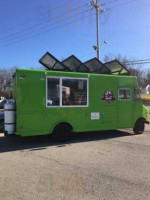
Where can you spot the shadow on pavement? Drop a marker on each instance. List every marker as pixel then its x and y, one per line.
pixel 14 143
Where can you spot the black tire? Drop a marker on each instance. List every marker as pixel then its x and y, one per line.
pixel 62 132
pixel 1 125
pixel 139 127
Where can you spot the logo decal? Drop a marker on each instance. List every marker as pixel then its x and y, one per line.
pixel 108 96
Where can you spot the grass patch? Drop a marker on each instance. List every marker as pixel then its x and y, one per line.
pixel 145 96
pixel 146 99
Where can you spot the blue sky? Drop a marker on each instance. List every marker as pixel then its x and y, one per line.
pixel 22 23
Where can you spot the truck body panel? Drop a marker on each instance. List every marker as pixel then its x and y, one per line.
pixel 105 107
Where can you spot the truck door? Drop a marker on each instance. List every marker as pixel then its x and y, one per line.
pixel 125 107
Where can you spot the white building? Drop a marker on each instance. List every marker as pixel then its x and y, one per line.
pixel 148 89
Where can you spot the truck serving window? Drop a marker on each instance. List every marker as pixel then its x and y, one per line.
pixel 53 91
pixel 66 92
pixel 124 94
pixel 74 92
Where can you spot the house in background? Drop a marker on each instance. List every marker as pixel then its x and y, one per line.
pixel 148 89
pixel 145 90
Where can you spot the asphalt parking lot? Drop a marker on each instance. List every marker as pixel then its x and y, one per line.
pixel 105 165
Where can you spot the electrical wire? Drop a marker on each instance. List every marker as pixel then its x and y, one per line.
pixel 32 18
pixel 138 60
pixel 136 63
pixel 38 29
pixel 37 25
pixel 41 33
pixel 7 41
pixel 120 5
pixel 103 4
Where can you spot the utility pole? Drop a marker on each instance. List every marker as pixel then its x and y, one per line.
pixel 98 9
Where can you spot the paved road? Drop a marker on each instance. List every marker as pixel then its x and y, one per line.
pixel 106 166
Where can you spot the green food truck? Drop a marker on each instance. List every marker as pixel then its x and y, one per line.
pixel 63 102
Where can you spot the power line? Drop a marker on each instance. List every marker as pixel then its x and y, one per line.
pixel 39 28
pixel 32 18
pixel 137 60
pixel 37 25
pixel 120 5
pixel 99 9
pixel 23 35
pixel 41 33
pixel 138 63
pixel 103 4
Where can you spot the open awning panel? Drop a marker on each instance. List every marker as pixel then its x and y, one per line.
pixel 97 66
pixel 74 64
pixel 93 65
pixel 51 63
pixel 117 68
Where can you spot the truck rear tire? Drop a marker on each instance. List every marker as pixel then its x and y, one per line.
pixel 139 127
pixel 62 132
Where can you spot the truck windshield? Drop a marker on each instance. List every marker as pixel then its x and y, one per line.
pixel 137 96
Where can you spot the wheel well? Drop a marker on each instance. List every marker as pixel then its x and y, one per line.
pixel 144 120
pixel 63 124
pixel 140 119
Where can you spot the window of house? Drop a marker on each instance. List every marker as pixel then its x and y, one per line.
pixel 53 91
pixel 124 94
pixel 74 92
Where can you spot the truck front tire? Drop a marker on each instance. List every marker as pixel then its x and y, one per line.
pixel 62 132
pixel 139 127
pixel 1 125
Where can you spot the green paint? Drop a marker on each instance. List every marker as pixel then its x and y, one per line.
pixel 34 118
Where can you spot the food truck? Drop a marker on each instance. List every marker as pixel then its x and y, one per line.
pixel 63 102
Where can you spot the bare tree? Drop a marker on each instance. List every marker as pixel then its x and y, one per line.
pixel 6 78
pixel 135 69
pixel 146 79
